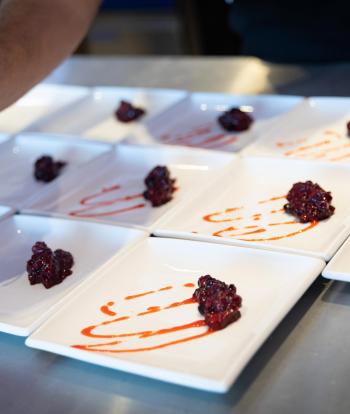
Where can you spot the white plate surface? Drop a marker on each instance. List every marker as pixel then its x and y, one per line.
pixel 94 117
pixel 23 306
pixel 4 137
pixel 158 273
pixel 246 208
pixel 18 155
pixel 5 211
pixel 339 267
pixel 193 122
pixel 112 187
pixel 41 101
pixel 316 130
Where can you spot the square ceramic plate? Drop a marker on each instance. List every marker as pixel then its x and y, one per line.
pixel 111 190
pixel 18 155
pixel 316 130
pixel 138 315
pixel 339 267
pixel 94 117
pixel 193 122
pixel 23 306
pixel 5 212
pixel 4 137
pixel 43 100
pixel 246 208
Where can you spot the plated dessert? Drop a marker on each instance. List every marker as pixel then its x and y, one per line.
pixel 126 112
pixel 46 169
pixel 48 267
pixel 235 119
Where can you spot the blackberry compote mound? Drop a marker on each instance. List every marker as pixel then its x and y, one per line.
pixel 348 128
pixel 46 169
pixel 160 186
pixel 48 267
pixel 309 202
pixel 126 112
pixel 218 302
pixel 235 120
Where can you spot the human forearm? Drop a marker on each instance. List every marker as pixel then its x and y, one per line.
pixel 35 36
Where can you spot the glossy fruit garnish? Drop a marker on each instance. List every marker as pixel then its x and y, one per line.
pixel 217 301
pixel 235 120
pixel 126 112
pixel 160 186
pixel 309 202
pixel 46 169
pixel 48 267
pixel 348 128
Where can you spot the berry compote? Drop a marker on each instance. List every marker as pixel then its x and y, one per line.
pixel 46 169
pixel 126 112
pixel 309 202
pixel 217 301
pixel 48 267
pixel 160 186
pixel 348 128
pixel 235 120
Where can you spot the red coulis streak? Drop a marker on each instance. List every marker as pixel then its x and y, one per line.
pixel 306 147
pixel 195 324
pixel 196 138
pixel 139 295
pixel 92 203
pixel 105 309
pixel 235 232
pixel 89 330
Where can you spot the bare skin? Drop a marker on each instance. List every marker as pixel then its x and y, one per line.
pixel 35 36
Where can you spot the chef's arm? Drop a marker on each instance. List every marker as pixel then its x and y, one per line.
pixel 35 36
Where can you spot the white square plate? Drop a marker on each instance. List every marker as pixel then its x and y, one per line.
pixel 193 122
pixel 18 155
pixel 315 130
pixel 147 291
pixel 43 100
pixel 4 137
pixel 5 212
pixel 339 267
pixel 23 306
pixel 94 117
pixel 112 188
pixel 246 208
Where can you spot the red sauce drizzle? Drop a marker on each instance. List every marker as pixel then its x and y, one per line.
pixel 151 309
pixel 198 137
pixel 165 288
pixel 333 133
pixel 195 324
pixel 341 157
pixel 105 309
pixel 310 226
pixel 306 147
pixel 188 301
pixel 209 217
pixel 228 141
pixel 319 149
pixel 148 293
pixel 89 331
pixel 236 232
pixel 218 233
pixel 139 295
pixel 282 144
pixel 92 203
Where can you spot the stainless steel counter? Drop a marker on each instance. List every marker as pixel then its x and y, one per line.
pixel 303 367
